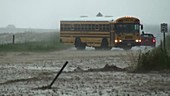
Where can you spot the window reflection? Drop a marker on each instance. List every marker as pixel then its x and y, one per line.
pixel 127 27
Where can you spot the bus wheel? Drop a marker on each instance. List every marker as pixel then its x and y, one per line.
pixel 79 45
pixel 104 44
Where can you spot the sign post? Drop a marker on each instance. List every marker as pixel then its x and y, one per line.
pixel 164 29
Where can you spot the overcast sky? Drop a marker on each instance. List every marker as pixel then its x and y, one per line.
pixel 48 13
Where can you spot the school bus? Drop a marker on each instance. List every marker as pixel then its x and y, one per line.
pixel 101 32
pixel 126 32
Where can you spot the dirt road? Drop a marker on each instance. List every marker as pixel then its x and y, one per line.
pixel 23 72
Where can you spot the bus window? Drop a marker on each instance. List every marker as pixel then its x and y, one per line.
pixel 127 27
pixel 100 27
pixel 90 27
pixel 97 27
pixel 93 27
pixel 72 27
pixel 78 27
pixel 136 26
pixel 62 27
pixel 112 27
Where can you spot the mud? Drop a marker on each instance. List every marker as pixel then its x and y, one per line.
pixel 88 73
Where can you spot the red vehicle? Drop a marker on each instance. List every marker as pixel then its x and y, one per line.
pixel 148 40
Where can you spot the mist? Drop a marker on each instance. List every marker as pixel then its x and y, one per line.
pixel 46 14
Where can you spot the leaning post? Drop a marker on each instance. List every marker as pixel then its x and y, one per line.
pixel 58 74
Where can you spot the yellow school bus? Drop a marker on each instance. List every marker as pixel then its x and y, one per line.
pixel 126 32
pixel 100 32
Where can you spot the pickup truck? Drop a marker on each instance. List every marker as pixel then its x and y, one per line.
pixel 148 39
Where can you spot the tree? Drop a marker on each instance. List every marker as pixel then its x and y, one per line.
pixel 10 26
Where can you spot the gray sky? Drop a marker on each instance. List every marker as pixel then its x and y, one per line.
pixel 48 13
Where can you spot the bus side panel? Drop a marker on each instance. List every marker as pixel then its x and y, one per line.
pixel 91 39
pixel 67 40
pixel 92 42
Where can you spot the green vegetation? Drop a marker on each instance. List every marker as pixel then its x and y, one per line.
pixel 33 46
pixel 42 42
pixel 154 60
pixel 168 42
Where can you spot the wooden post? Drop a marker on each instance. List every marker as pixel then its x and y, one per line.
pixel 58 74
pixel 13 39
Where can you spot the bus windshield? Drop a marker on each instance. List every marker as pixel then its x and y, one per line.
pixel 127 27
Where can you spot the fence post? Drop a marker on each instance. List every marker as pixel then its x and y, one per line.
pixel 13 39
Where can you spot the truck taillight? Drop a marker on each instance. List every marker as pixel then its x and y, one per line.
pixel 154 40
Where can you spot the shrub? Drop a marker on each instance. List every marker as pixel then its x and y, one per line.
pixel 168 43
pixel 153 60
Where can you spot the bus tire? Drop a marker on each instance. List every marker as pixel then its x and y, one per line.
pixel 104 44
pixel 79 45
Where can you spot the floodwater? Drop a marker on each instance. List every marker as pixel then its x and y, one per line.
pixel 24 73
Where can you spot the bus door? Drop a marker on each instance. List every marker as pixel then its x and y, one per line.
pixel 112 38
pixel 112 35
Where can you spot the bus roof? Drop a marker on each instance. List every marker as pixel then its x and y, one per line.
pixel 108 19
pixel 126 17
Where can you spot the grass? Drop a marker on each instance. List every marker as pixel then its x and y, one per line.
pixel 168 42
pixel 154 60
pixel 48 42
pixel 33 46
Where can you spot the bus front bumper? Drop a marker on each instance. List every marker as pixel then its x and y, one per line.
pixel 127 43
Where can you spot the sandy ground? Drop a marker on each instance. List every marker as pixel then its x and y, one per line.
pixel 23 73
